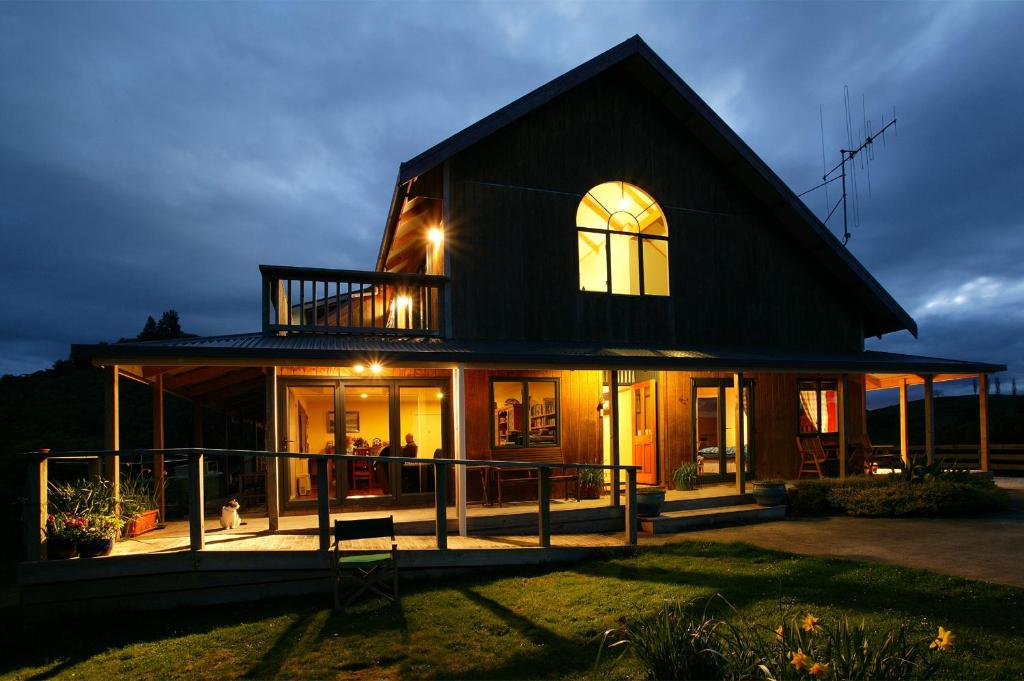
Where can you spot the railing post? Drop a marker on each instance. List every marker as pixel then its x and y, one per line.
pixel 272 443
pixel 631 522
pixel 983 445
pixel 35 507
pixel 323 504
pixel 196 501
pixel 929 419
pixel 441 504
pixel 544 507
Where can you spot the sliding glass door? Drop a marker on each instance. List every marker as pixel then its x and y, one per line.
pixel 716 440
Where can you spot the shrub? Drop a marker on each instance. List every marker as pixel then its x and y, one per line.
pixel 685 477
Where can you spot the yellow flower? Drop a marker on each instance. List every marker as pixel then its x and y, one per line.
pixel 798 659
pixel 944 641
pixel 778 632
pixel 811 623
pixel 818 669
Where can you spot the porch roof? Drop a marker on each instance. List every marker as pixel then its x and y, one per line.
pixel 257 349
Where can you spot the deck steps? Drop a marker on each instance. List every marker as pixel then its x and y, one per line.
pixel 688 520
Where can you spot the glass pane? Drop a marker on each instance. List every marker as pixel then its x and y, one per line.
pixel 593 261
pixel 592 213
pixel 543 413
pixel 829 398
pixel 367 433
pixel 808 398
pixel 625 264
pixel 655 267
pixel 507 403
pixel 623 221
pixel 422 428
pixel 708 456
pixel 652 221
pixel 311 430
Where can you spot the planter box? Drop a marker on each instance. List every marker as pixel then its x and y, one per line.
pixel 142 523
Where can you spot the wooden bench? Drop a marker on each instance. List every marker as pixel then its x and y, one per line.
pixel 530 476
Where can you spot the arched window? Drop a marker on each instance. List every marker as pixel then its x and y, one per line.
pixel 622 237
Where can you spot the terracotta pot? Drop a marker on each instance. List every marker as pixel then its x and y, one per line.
pixel 60 549
pixel 95 548
pixel 142 523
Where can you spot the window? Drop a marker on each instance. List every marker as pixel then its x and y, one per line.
pixel 622 237
pixel 817 407
pixel 525 413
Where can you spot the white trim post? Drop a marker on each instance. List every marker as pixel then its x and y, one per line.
pixel 270 435
pixel 459 441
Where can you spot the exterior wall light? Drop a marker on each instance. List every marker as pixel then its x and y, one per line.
pixel 435 235
pixel 376 368
pixel 358 368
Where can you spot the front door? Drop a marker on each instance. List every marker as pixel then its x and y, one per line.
pixel 645 432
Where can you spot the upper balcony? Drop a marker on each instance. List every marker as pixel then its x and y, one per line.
pixel 315 300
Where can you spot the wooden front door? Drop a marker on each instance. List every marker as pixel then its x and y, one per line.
pixel 645 432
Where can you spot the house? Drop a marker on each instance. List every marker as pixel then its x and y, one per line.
pixel 600 272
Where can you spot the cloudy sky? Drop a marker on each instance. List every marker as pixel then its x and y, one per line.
pixel 151 155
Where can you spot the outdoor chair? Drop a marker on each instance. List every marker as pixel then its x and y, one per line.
pixel 374 572
pixel 812 454
pixel 870 456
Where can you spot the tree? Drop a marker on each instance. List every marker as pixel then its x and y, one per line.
pixel 169 326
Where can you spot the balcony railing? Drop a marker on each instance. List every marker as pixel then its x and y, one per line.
pixel 313 300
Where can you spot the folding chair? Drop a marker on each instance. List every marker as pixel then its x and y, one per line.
pixel 371 570
pixel 811 456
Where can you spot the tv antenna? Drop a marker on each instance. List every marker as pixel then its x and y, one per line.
pixel 847 157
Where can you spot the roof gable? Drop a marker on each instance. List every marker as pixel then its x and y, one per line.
pixel 884 314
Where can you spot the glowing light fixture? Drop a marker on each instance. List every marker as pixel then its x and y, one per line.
pixel 358 368
pixel 403 302
pixel 376 368
pixel 435 235
pixel 363 395
pixel 440 395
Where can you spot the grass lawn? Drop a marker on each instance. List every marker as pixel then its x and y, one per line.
pixel 541 623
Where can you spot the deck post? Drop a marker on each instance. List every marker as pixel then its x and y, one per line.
pixel 741 474
pixel 544 507
pixel 323 501
pixel 904 421
pixel 841 426
pixel 159 479
pixel 459 414
pixel 111 465
pixel 35 507
pixel 929 419
pixel 631 522
pixel 613 434
pixel 272 443
pixel 196 501
pixel 441 504
pixel 983 462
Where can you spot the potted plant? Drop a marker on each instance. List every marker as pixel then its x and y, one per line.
pixel 139 507
pixel 98 535
pixel 649 501
pixel 63 533
pixel 769 492
pixel 590 481
pixel 685 477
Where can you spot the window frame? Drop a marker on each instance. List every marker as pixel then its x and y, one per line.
pixel 524 392
pixel 819 388
pixel 640 238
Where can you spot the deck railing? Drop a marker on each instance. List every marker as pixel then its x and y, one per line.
pixel 1002 458
pixel 314 300
pixel 38 462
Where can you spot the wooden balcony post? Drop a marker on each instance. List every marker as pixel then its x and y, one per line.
pixel 441 503
pixel 323 499
pixel 929 419
pixel 741 474
pixel 983 462
pixel 631 521
pixel 544 507
pixel 904 427
pixel 841 433
pixel 459 417
pixel 613 434
pixel 111 465
pixel 159 475
pixel 35 507
pixel 272 443
pixel 196 501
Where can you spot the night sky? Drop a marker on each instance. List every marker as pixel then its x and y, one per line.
pixel 151 155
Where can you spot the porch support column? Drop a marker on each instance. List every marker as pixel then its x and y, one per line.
pixel 459 428
pixel 741 477
pixel 111 465
pixel 983 462
pixel 929 420
pixel 34 519
pixel 196 501
pixel 904 429
pixel 159 480
pixel 841 429
pixel 613 434
pixel 272 442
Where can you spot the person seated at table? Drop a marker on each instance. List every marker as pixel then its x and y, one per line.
pixel 411 448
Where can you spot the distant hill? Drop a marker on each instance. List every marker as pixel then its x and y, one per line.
pixel 956 421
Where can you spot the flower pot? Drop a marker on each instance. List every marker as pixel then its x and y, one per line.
pixel 590 492
pixel 60 549
pixel 648 504
pixel 142 523
pixel 769 495
pixel 93 548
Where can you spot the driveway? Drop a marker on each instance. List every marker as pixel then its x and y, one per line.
pixel 989 548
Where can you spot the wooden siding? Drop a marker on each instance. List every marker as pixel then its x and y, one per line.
pixel 736 278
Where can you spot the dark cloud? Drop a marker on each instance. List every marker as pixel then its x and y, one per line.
pixel 152 154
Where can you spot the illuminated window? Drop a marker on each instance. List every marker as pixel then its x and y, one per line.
pixel 818 407
pixel 525 413
pixel 622 239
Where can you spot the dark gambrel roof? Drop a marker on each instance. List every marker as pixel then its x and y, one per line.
pixel 437 351
pixel 884 313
